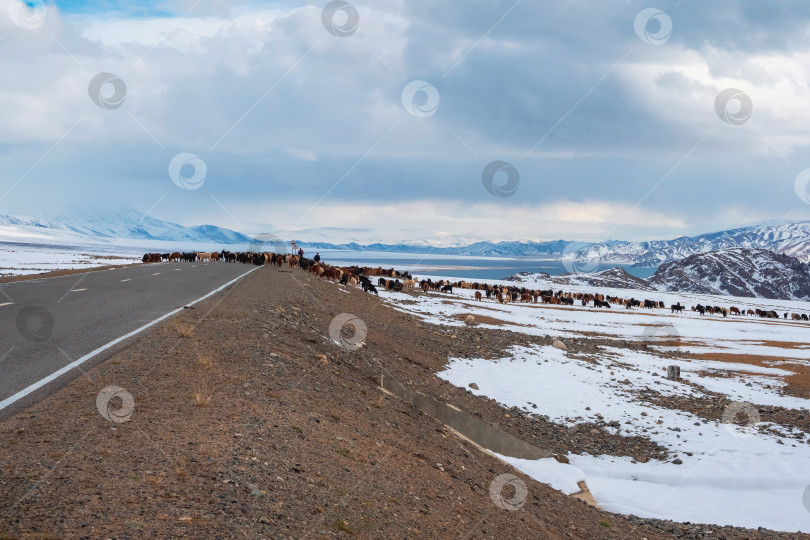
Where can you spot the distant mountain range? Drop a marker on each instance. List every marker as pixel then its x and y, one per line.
pixel 752 273
pixel 551 249
pixel 790 238
pixel 110 225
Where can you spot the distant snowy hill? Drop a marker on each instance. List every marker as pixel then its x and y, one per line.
pixel 751 273
pixel 791 238
pixel 101 225
pixel 614 278
pixel 737 272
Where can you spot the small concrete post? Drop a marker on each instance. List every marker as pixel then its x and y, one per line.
pixel 674 373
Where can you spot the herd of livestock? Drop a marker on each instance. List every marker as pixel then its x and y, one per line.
pixel 394 280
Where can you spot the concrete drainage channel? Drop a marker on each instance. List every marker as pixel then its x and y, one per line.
pixel 484 436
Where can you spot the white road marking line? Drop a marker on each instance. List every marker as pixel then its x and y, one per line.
pixel 77 290
pixel 123 280
pixel 177 269
pixel 156 274
pixel 6 304
pixel 8 353
pixel 56 374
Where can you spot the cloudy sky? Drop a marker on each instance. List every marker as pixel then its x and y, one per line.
pixel 379 121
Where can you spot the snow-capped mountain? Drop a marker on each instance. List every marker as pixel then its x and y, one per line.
pixel 107 225
pixel 791 238
pixel 737 272
pixel 551 249
pixel 752 273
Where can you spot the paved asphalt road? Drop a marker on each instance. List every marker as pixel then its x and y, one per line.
pixel 47 324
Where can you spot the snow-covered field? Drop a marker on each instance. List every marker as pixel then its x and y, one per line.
pixel 729 475
pixel 21 261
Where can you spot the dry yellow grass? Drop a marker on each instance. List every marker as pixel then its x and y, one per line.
pixel 202 397
pixel 184 329
pixel 205 361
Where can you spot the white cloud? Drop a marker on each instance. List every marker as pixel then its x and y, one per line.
pixel 303 155
pixel 280 110
pixel 448 223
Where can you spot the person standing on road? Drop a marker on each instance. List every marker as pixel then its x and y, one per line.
pixel 301 252
pixel 317 257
